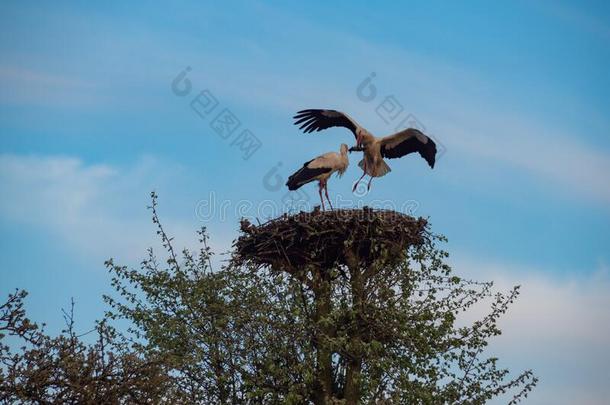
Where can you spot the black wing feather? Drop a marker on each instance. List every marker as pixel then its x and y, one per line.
pixel 413 144
pixel 317 120
pixel 305 175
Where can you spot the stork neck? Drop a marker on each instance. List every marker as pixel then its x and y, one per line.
pixel 366 138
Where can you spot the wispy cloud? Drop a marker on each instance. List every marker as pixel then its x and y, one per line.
pixel 455 102
pixel 577 17
pixel 37 87
pixel 559 327
pixel 573 167
pixel 447 96
pixel 98 210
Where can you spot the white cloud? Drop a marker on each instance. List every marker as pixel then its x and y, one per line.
pixel 559 327
pixel 570 165
pixel 33 87
pixel 99 210
pixel 582 20
pixel 466 111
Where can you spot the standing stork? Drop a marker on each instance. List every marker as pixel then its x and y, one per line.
pixel 374 148
pixel 320 168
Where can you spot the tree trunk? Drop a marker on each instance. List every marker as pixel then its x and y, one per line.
pixel 352 382
pixel 322 291
pixel 354 364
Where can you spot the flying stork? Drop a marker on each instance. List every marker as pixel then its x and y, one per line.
pixel 374 148
pixel 320 168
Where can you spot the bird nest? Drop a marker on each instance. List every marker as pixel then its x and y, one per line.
pixel 328 238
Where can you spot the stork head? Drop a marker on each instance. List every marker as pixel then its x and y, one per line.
pixel 343 149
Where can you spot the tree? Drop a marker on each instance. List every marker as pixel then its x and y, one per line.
pixel 64 369
pixel 348 306
pixel 323 307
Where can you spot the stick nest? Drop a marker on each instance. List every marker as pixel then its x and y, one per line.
pixel 328 238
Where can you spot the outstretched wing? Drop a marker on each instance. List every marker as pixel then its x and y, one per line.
pixel 317 120
pixel 408 141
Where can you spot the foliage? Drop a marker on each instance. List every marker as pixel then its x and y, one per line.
pixel 64 369
pixel 388 333
pixel 231 336
pixel 253 334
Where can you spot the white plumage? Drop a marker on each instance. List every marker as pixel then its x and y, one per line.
pixel 374 148
pixel 320 169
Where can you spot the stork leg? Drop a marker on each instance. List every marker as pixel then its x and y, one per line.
pixel 320 193
pixel 326 192
pixel 363 174
pixel 368 188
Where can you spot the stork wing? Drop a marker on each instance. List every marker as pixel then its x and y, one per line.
pixel 408 141
pixel 328 160
pixel 317 120
pixel 311 170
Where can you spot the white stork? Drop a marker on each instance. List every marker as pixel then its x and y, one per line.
pixel 320 168
pixel 375 149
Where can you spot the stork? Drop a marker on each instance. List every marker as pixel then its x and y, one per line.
pixel 320 168
pixel 374 148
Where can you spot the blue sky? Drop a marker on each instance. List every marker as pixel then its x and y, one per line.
pixel 516 93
